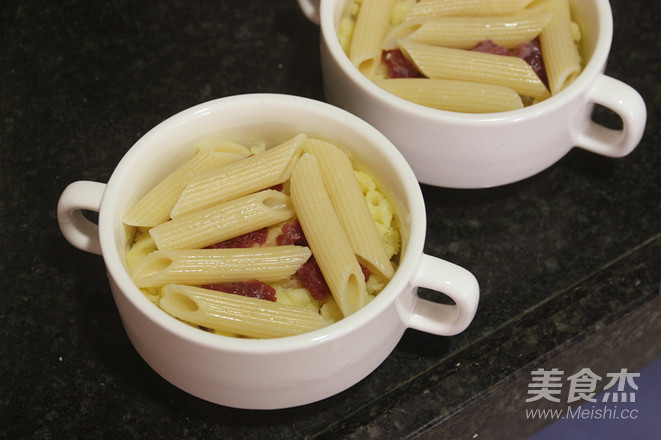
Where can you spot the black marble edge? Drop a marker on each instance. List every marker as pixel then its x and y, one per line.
pixel 615 301
pixel 500 412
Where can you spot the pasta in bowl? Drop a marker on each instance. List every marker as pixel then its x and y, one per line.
pixel 465 56
pixel 319 247
pixel 432 79
pixel 295 353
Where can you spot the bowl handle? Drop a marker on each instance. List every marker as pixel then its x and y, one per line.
pixel 629 105
pixel 76 228
pixel 310 9
pixel 454 281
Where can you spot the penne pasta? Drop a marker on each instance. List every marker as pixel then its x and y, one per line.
pixel 326 236
pixel 370 29
pixel 246 176
pixel 349 204
pixel 453 95
pixel 142 246
pixel 466 32
pixel 338 207
pixel 561 57
pixel 465 65
pixel 529 46
pixel 155 206
pixel 434 8
pixel 223 145
pixel 236 314
pixel 208 266
pixel 221 222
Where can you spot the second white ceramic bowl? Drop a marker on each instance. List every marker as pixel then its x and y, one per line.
pixel 461 150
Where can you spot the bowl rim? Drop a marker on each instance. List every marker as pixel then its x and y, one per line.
pixel 594 67
pixel 400 282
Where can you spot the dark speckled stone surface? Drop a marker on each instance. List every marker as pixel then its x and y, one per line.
pixel 569 261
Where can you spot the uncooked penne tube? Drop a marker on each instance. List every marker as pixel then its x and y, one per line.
pixel 370 29
pixel 246 176
pixel 466 32
pixel 453 95
pixel 326 236
pixel 561 57
pixel 226 220
pixel 349 203
pixel 155 206
pixel 236 314
pixel 466 65
pixel 208 266
pixel 429 8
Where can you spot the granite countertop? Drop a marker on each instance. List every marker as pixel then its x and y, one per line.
pixel 569 261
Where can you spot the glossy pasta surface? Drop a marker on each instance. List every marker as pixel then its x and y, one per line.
pixel 469 50
pixel 248 260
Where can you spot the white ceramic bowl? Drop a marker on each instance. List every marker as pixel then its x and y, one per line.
pixel 461 150
pixel 275 373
